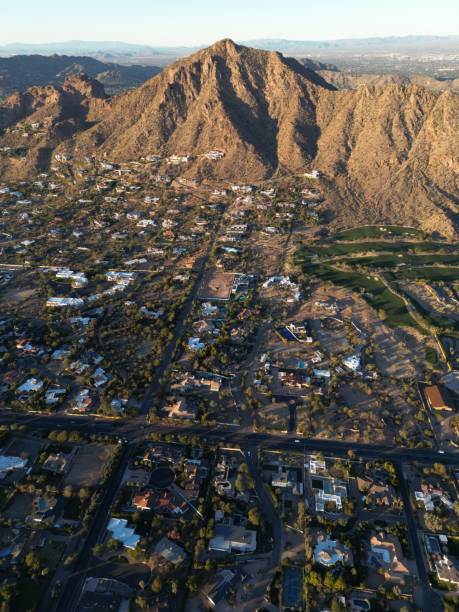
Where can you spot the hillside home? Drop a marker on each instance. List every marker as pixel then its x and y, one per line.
pixel 232 538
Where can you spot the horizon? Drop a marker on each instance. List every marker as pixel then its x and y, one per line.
pixel 236 41
pixel 182 25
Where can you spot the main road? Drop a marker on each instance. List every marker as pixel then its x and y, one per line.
pixel 137 430
pixel 132 431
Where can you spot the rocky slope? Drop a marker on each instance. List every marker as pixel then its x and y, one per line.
pixel 256 106
pixel 389 152
pixel 35 122
pixel 348 80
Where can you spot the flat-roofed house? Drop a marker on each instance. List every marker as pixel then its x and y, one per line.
pixel 436 398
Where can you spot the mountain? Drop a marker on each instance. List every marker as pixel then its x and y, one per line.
pixel 47 116
pixel 256 106
pixel 388 152
pixel 317 66
pixel 392 43
pixel 22 71
pixel 349 80
pixel 80 47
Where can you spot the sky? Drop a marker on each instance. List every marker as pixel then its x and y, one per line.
pixel 200 22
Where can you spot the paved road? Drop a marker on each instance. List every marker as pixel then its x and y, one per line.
pixel 272 517
pixel 136 430
pixel 70 594
pixel 430 599
pixel 179 332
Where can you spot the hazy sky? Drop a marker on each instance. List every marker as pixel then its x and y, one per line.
pixel 193 22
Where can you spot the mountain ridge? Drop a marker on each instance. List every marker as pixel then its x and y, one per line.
pixel 388 152
pixel 22 71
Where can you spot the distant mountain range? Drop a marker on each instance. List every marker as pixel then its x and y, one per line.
pixel 22 71
pixel 389 42
pixel 80 47
pixel 388 152
pixel 118 48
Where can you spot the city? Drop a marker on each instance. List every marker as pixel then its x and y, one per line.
pixel 229 326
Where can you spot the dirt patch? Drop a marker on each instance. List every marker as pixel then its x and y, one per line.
pixel 216 285
pixel 88 465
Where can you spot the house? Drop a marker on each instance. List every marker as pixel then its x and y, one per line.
pixel 314 174
pixel 329 552
pixel 146 223
pixel 26 346
pixel 31 385
pixel 78 279
pixel 430 497
pixel 376 493
pixel 446 570
pixel 144 501
pixel 120 278
pixel 62 302
pixel 451 381
pixel 119 531
pixel 60 354
pixel 100 377
pixel 352 363
pixel 436 398
pixel 8 464
pixel 226 581
pixel 214 155
pixel 169 551
pixel 317 466
pixel 175 160
pixel 233 538
pixel 54 395
pixel 83 402
pixel 329 494
pixel 195 344
pixel 181 409
pixel 386 553
pixel 168 503
pixel 56 462
pixel 287 479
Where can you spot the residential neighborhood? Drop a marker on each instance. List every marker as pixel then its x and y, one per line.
pixel 208 401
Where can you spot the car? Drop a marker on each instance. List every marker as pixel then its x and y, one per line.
pixel 296 441
pixel 441 452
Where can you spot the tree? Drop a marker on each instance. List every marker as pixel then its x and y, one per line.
pixel 157 584
pixel 112 545
pixel 32 562
pixel 141 602
pixel 254 516
pixel 98 550
pixel 335 605
pixel 192 584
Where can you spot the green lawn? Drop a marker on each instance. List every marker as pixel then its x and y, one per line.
pixel 390 261
pixel 430 273
pixel 342 248
pixel 375 231
pixel 373 291
pixel 51 553
pixel 436 320
pixel 432 356
pixel 73 508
